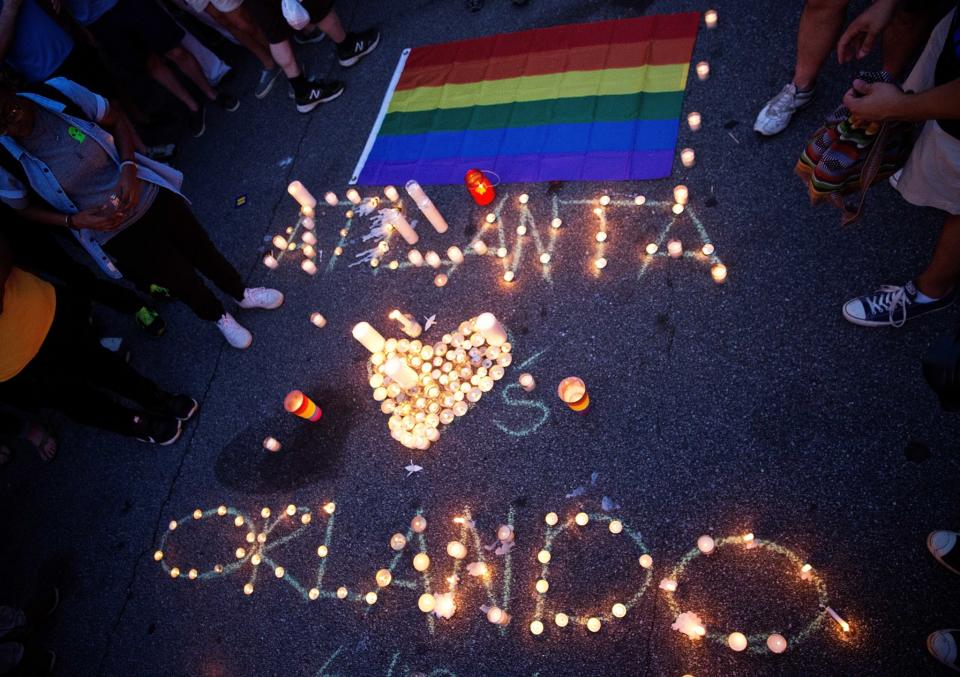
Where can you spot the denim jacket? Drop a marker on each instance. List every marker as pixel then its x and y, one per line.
pixel 42 180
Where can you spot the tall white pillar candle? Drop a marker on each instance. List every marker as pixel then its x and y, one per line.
pixel 426 206
pixel 491 329
pixel 369 337
pixel 399 221
pixel 401 372
pixel 299 193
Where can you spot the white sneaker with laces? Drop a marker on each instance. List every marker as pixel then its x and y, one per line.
pixel 776 115
pixel 261 297
pixel 236 335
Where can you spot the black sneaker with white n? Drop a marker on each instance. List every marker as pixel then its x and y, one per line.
pixel 892 306
pixel 357 46
pixel 317 93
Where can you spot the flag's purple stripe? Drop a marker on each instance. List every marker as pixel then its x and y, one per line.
pixel 531 168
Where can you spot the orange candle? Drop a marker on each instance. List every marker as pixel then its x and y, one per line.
pixel 573 391
pixel 297 403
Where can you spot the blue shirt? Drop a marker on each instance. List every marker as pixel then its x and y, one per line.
pixel 39 45
pixel 43 181
pixel 88 11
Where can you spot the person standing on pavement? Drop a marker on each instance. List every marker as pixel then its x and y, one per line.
pixel 117 202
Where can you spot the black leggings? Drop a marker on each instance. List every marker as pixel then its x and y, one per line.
pixel 74 374
pixel 168 246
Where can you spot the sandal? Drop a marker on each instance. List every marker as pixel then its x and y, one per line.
pixel 42 441
pixel 942 645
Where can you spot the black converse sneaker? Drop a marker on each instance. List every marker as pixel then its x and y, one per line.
pixel 317 93
pixel 357 46
pixel 891 306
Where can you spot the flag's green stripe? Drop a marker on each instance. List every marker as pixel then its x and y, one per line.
pixel 615 108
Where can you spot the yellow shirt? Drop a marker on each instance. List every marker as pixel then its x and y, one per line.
pixel 29 304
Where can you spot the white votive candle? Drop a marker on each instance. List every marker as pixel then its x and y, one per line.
pixel 271 444
pixel 688 158
pixel 681 194
pixel 371 339
pixel 455 255
pixel 299 193
pixel 694 120
pixel 270 261
pixel 719 273
pixel 331 198
pixel 527 382
pixel 710 18
pixel 318 320
pixel 433 259
pixel 675 248
pixel 707 249
pixel 706 544
pixel 309 251
pixel 309 266
pixel 652 248
pixel 491 329
pixel 391 193
pixel 415 257
pixel 309 238
pixel 401 373
pixel 353 196
pixel 703 70
pixel 479 247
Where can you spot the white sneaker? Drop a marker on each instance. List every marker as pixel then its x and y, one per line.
pixel 234 332
pixel 261 297
pixel 776 115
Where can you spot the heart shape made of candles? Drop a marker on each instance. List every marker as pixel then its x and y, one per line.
pixel 434 384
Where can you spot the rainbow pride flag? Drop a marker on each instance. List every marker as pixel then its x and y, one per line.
pixel 596 101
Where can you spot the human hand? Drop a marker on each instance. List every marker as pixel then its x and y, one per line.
pixel 858 40
pixel 96 219
pixel 877 101
pixel 127 189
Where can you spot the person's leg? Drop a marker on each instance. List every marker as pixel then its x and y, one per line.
pixel 941 276
pixel 282 53
pixel 820 25
pixel 330 24
pixel 240 26
pixel 187 63
pixel 159 71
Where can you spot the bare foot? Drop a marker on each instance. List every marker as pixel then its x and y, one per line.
pixel 42 440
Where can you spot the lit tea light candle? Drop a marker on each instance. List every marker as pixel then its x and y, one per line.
pixel 455 254
pixel 600 263
pixel 353 196
pixel 318 320
pixel 545 258
pixel 391 193
pixel 551 518
pixel 279 242
pixel 418 524
pixel 668 584
pixel 573 392
pixel 777 643
pixel 342 592
pixel 397 369
pixel 309 238
pixel 737 641
pixel 491 329
pixel 707 249
pixel 270 261
pixel 371 339
pixel 409 325
pixel 421 561
pixel 370 598
pixel 680 194
pixel 675 249
pixel 694 121
pixel 536 628
pixel 440 279
pixel 271 444
pixel 703 70
pixel 527 382
pixel 383 577
pixel 718 272
pixel 299 193
pixel 330 507
pixel 331 199
pixel 398 542
pixel 805 574
pixel 415 257
pixel 688 158
pixel 309 267
pixel 677 209
pixel 426 206
pixel 710 18
pixel 601 236
pixel 505 533
pixel 309 251
pixel 323 551
pixel 619 610
pixel 651 248
pixel 581 519
pixel 749 541
pixel 279 572
pixel 433 259
pixel 689 624
pixel 556 222
pixel 593 624
pixel 604 200
pixel 479 247
pixel 542 586
pixel 501 252
pixel 543 556
pixel 646 561
pixel 524 198
pixel 490 217
pixel 706 545
pixel 521 230
pixel 427 603
pixel 639 200
pixel 456 549
pixel 616 526
pixel 300 405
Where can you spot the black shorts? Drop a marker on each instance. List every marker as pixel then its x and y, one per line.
pixel 268 14
pixel 135 29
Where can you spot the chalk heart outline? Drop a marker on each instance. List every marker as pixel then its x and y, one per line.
pixel 420 391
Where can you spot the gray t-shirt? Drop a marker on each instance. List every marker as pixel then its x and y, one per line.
pixel 82 167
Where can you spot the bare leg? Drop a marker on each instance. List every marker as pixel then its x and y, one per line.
pixel 942 274
pixel 330 24
pixel 906 34
pixel 160 72
pixel 820 25
pixel 282 53
pixel 187 63
pixel 239 24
